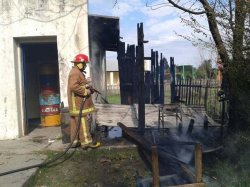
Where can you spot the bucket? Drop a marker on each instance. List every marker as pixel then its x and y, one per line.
pixel 65 125
pixel 49 96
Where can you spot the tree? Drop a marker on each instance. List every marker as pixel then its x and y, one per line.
pixel 205 70
pixel 228 22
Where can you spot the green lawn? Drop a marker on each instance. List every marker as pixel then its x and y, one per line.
pixel 114 99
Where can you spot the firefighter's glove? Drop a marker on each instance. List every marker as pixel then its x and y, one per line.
pixel 88 86
pixel 88 92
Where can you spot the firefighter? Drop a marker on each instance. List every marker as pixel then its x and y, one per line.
pixel 78 88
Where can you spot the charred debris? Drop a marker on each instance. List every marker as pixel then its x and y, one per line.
pixel 173 153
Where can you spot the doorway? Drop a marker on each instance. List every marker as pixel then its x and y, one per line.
pixel 38 59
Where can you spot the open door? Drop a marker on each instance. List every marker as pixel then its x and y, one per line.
pixel 41 83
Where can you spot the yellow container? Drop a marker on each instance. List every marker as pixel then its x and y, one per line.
pixel 49 121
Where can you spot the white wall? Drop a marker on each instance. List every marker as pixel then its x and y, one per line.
pixel 29 21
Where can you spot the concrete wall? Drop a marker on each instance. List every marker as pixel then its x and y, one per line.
pixel 98 67
pixel 36 21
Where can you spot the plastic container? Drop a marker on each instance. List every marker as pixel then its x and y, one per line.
pixel 49 96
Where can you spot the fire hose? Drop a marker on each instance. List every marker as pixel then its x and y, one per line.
pixel 92 90
pixel 66 150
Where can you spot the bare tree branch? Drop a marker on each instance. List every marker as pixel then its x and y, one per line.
pixel 173 4
pixel 115 3
pixel 184 9
pixel 157 6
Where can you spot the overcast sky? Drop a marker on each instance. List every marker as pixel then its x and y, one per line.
pixel 159 26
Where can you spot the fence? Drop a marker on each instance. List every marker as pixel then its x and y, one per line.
pixel 113 90
pixel 202 93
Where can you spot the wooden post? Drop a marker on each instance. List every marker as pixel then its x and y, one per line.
pixel 172 73
pixel 141 86
pixel 130 73
pixel 190 90
pixel 198 163
pixel 155 167
pixel 156 91
pixel 199 102
pixel 121 60
pixel 179 89
pixel 190 126
pixel 136 77
pixel 206 96
pixel 186 88
pixel 152 80
pixel 182 98
pixel 162 80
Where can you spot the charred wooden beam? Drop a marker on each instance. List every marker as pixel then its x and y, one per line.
pixel 148 58
pixel 140 140
pixel 190 126
pixel 141 86
pixel 152 149
pixel 172 72
pixel 205 122
pixel 161 88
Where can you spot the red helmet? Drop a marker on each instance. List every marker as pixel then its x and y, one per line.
pixel 81 58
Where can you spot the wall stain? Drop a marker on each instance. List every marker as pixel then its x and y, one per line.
pixel 5 112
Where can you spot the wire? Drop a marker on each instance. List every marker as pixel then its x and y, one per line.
pixel 44 21
pixel 58 156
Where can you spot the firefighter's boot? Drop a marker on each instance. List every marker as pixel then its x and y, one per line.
pixel 92 145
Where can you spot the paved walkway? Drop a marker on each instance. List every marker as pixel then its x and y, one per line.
pixel 27 151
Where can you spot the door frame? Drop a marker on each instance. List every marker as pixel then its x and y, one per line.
pixel 20 77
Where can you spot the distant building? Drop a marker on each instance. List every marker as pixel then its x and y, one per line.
pixel 112 73
pixel 112 77
pixel 184 72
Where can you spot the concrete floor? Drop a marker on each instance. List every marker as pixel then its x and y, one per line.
pixel 27 151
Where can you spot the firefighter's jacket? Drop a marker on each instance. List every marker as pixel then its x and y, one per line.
pixel 76 91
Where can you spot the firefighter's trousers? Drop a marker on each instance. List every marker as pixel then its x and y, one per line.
pixel 84 136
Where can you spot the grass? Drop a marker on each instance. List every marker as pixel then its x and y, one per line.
pixel 100 167
pixel 114 99
pixel 232 167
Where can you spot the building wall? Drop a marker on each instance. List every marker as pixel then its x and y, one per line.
pixel 36 21
pixel 113 78
pixel 113 83
pixel 98 67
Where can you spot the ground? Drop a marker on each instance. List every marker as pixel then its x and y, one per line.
pixel 116 164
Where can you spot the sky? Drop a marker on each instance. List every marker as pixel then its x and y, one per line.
pixel 160 28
